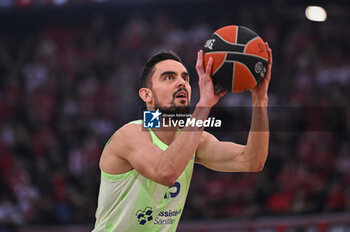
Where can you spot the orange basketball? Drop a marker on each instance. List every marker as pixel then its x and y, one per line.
pixel 240 58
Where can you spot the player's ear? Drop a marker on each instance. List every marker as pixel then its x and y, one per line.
pixel 145 94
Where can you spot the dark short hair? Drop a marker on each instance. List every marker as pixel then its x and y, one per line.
pixel 148 70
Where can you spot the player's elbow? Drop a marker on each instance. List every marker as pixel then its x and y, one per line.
pixel 169 182
pixel 167 178
pixel 259 167
pixel 256 161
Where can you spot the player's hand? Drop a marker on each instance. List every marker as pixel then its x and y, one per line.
pixel 260 91
pixel 208 97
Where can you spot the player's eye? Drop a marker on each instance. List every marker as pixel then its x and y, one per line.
pixel 168 77
pixel 186 78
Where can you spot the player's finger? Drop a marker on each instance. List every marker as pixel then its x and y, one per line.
pixel 199 64
pixel 269 51
pixel 269 67
pixel 222 93
pixel 209 66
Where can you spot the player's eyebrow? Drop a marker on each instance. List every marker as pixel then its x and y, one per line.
pixel 185 74
pixel 173 73
pixel 168 73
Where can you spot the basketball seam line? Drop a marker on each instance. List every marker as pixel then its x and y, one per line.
pixel 237 31
pixel 237 53
pixel 233 77
pixel 247 45
pixel 228 41
pixel 220 65
pixel 229 61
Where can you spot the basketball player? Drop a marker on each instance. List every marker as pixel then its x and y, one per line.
pixel 145 174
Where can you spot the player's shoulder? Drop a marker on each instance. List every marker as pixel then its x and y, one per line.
pixel 129 129
pixel 122 143
pixel 131 125
pixel 131 133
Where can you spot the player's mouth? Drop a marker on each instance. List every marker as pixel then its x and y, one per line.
pixel 181 94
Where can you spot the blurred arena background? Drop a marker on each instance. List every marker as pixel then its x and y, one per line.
pixel 68 80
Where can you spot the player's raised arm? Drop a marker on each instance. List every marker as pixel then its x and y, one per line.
pixel 231 157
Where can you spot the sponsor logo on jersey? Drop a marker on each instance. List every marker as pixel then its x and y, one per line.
pixel 167 217
pixel 164 217
pixel 144 216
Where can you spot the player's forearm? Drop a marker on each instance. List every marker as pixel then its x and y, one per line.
pixel 258 139
pixel 180 152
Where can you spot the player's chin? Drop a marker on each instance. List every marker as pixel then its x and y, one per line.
pixel 182 102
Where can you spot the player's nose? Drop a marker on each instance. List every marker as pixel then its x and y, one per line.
pixel 180 82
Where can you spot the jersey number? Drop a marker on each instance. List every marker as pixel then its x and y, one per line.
pixel 173 191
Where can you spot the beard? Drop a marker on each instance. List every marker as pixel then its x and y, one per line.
pixel 181 112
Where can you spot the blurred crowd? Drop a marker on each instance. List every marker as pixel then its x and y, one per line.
pixel 65 89
pixel 50 3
